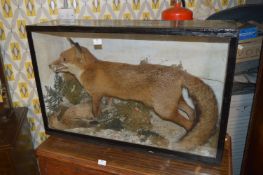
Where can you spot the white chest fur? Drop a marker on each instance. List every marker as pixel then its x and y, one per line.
pixel 75 70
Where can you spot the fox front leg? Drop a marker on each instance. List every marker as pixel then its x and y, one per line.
pixel 96 105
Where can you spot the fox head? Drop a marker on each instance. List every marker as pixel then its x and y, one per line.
pixel 73 60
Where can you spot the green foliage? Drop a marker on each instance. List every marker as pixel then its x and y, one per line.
pixel 64 88
pixel 147 133
pixel 73 91
pixel 155 138
pixel 54 96
pixel 136 115
pixel 111 123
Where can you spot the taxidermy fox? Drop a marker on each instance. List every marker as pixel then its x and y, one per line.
pixel 156 86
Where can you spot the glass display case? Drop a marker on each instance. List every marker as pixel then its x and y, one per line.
pixel 158 86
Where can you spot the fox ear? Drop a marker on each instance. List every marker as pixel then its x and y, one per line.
pixel 74 44
pixel 71 41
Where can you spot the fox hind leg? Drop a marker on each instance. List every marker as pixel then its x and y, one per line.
pixel 181 120
pixel 182 105
pixel 170 112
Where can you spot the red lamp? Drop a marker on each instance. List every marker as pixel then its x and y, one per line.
pixel 177 12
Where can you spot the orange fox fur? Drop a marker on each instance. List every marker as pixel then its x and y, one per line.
pixel 159 87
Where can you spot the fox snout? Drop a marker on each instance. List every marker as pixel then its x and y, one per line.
pixel 52 67
pixel 57 66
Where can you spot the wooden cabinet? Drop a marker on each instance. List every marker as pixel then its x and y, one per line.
pixel 253 153
pixel 59 156
pixel 16 150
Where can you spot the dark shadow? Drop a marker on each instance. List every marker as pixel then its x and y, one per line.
pixel 242 13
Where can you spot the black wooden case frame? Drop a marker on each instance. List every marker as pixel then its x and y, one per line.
pixel 96 35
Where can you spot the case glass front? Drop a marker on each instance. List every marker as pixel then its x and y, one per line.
pixel 163 92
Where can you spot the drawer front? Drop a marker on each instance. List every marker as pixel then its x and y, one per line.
pixel 54 167
pixel 5 160
pixel 6 172
pixel 6 167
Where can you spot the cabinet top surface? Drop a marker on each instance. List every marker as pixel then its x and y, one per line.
pixel 195 27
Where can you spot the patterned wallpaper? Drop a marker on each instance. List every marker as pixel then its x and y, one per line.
pixel 15 14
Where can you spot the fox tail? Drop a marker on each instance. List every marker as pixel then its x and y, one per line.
pixel 206 111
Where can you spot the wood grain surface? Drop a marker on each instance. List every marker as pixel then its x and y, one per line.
pixel 64 156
